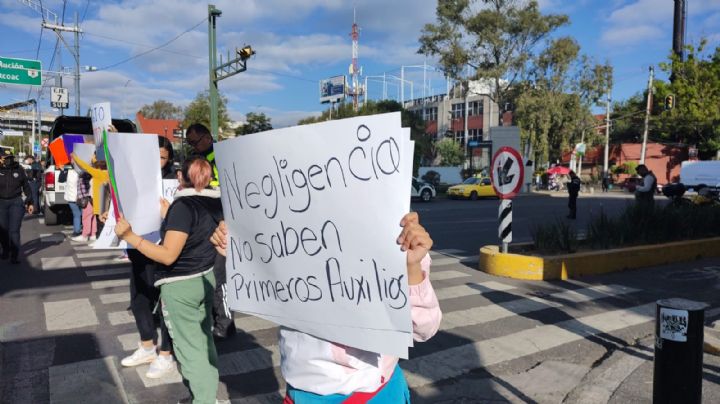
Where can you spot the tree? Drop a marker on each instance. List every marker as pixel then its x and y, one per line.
pixel 198 111
pixel 628 116
pixel 695 119
pixel 255 123
pixel 554 102
pixel 162 109
pixel 451 154
pixel 496 40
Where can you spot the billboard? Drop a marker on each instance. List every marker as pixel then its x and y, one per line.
pixel 332 89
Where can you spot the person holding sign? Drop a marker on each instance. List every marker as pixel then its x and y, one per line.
pixel 319 371
pixel 185 274
pixel 144 296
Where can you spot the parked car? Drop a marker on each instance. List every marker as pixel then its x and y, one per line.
pixel 422 190
pixel 53 190
pixel 472 188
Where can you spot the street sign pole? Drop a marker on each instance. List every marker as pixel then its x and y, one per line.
pixel 507 172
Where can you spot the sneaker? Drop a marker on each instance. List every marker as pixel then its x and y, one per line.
pixel 161 366
pixel 122 258
pixel 79 239
pixel 93 238
pixel 140 356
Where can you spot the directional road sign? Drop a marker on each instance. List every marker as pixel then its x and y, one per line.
pixel 507 172
pixel 8 132
pixel 59 97
pixel 20 71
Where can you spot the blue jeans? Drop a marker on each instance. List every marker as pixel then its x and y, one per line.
pixel 11 215
pixel 77 218
pixel 35 191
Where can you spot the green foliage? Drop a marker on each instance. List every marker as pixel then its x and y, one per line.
pixel 162 109
pixel 424 147
pixel 495 37
pixel 198 111
pixel 555 237
pixel 255 123
pixel 451 154
pixel 696 87
pixel 630 167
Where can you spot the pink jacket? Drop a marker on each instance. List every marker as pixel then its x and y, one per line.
pixel 322 367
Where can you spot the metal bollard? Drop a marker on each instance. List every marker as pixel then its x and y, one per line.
pixel 677 376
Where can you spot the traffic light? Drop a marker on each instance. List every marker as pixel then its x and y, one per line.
pixel 669 102
pixel 245 52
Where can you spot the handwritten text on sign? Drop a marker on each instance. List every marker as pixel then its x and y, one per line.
pixel 313 215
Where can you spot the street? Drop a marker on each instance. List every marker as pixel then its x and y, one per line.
pixel 66 324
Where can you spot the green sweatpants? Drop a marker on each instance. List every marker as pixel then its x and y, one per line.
pixel 187 309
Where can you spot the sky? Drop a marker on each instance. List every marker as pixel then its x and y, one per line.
pixel 298 43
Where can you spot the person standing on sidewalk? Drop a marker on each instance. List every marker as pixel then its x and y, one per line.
pixel 185 274
pixel 13 183
pixel 85 204
pixel 200 139
pixel 144 297
pixel 71 196
pixel 573 187
pixel 645 193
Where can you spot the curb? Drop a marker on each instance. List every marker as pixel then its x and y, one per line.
pixel 538 268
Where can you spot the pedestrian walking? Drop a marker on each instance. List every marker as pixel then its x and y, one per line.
pixel 13 184
pixel 34 175
pixel 185 274
pixel 645 193
pixel 71 196
pixel 573 187
pixel 145 297
pixel 605 182
pixel 200 139
pixel 320 371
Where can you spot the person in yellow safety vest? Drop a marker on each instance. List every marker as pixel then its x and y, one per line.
pixel 200 139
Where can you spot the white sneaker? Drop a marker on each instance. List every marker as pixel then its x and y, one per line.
pixel 140 356
pixel 80 239
pixel 161 366
pixel 93 238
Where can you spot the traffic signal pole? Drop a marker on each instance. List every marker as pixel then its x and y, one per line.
pixel 647 115
pixel 213 13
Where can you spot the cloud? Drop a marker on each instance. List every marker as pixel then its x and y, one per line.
pixel 626 36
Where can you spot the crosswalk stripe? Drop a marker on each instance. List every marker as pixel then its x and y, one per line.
pixel 470 289
pixel 114 283
pixel 456 361
pixel 446 251
pixel 446 275
pixel 101 262
pixel 120 317
pixel 53 263
pixel 94 254
pixel 110 298
pixel 493 312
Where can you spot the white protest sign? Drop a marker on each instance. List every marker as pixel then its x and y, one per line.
pixel 101 120
pixel 135 159
pixel 313 215
pixel 169 187
pixel 107 240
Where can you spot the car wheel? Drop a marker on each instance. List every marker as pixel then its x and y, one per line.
pixel 51 218
pixel 473 196
pixel 426 195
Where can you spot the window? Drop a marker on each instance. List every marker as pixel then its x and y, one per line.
pixel 475 107
pixel 475 134
pixel 486 181
pixel 458 111
pixel 430 114
pixel 460 137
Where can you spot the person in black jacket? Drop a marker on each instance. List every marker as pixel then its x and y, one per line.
pixel 13 183
pixel 573 190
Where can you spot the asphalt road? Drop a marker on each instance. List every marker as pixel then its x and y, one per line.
pixel 468 225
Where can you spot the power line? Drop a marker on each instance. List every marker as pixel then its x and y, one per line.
pixel 85 12
pixel 141 44
pixel 153 49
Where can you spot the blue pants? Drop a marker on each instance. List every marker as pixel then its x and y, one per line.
pixel 11 215
pixel 35 191
pixel 77 218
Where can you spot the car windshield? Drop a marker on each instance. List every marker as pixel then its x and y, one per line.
pixel 470 181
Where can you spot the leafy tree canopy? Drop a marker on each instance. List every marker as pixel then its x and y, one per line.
pixel 255 122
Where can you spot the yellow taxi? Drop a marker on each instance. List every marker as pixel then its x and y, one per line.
pixel 472 188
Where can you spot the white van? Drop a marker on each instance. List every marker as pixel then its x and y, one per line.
pixel 700 174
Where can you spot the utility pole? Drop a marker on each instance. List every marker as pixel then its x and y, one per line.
pixel 607 134
pixel 225 70
pixel 647 115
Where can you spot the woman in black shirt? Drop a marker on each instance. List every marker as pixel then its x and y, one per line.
pixel 185 274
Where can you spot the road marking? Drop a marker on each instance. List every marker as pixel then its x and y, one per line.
pixel 437 262
pixel 41 220
pixel 120 317
pixel 456 361
pixel 95 381
pixel 110 298
pixel 109 271
pixel 445 275
pixel 53 263
pixel 446 251
pixel 95 254
pixel 493 312
pixel 69 314
pixel 102 262
pixel 114 283
pixel 52 238
pixel 470 289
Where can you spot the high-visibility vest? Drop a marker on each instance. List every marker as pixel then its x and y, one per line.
pixel 215 182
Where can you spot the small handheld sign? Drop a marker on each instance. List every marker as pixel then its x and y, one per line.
pixel 507 173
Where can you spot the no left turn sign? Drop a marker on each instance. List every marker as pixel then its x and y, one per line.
pixel 507 172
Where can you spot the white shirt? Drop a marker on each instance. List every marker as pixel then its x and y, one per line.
pixel 71 184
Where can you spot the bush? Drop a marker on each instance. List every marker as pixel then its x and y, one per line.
pixel 555 237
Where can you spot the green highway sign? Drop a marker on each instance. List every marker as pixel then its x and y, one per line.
pixel 20 71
